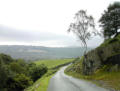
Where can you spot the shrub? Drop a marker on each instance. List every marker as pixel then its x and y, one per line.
pixel 37 71
pixel 3 75
pixel 113 40
pixel 19 67
pixel 16 75
pixel 21 81
pixel 6 58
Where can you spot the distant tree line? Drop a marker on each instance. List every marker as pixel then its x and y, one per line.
pixel 16 75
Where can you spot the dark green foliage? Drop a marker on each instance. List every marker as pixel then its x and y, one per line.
pixel 37 71
pixel 3 75
pixel 16 67
pixel 16 75
pixel 19 66
pixel 110 20
pixel 5 58
pixel 21 81
pixel 113 40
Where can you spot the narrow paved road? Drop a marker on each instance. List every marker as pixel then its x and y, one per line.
pixel 62 82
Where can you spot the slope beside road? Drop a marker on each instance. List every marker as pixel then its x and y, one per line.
pixel 62 82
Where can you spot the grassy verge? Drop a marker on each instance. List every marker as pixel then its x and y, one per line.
pixel 42 83
pixel 104 79
pixel 101 77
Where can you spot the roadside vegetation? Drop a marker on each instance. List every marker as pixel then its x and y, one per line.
pixel 102 64
pixel 107 76
pixel 16 74
pixel 53 66
pixel 101 77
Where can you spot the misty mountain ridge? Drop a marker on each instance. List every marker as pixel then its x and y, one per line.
pixel 41 52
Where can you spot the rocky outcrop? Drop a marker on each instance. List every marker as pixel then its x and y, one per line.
pixel 100 56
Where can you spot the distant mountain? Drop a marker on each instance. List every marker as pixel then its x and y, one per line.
pixel 40 52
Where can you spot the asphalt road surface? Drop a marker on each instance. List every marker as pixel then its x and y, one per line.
pixel 62 82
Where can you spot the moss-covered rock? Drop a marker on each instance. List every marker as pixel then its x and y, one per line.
pixel 107 53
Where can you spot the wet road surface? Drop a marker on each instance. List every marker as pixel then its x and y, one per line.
pixel 62 82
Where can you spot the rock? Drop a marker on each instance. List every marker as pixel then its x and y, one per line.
pixel 100 56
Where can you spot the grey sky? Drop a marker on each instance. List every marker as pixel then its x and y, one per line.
pixel 10 36
pixel 45 22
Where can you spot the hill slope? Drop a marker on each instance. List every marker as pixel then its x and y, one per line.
pixel 101 65
pixel 39 52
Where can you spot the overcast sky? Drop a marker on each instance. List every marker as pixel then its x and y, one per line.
pixel 45 22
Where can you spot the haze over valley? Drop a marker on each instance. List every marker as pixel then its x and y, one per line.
pixel 59 45
pixel 39 52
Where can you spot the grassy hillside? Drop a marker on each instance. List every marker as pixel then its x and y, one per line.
pixel 42 83
pixel 107 74
pixel 111 41
pixel 53 63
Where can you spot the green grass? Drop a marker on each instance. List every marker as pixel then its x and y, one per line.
pixel 110 41
pixel 53 63
pixel 111 79
pixel 42 83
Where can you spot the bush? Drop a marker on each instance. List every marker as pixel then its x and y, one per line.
pixel 19 67
pixel 16 75
pixel 37 71
pixel 6 58
pixel 3 75
pixel 113 40
pixel 21 81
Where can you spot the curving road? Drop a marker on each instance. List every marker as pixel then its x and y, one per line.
pixel 62 82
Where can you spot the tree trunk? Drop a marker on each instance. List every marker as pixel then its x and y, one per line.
pixel 116 32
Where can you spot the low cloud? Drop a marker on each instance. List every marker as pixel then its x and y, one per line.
pixel 11 36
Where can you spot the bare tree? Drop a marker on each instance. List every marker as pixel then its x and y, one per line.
pixel 83 27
